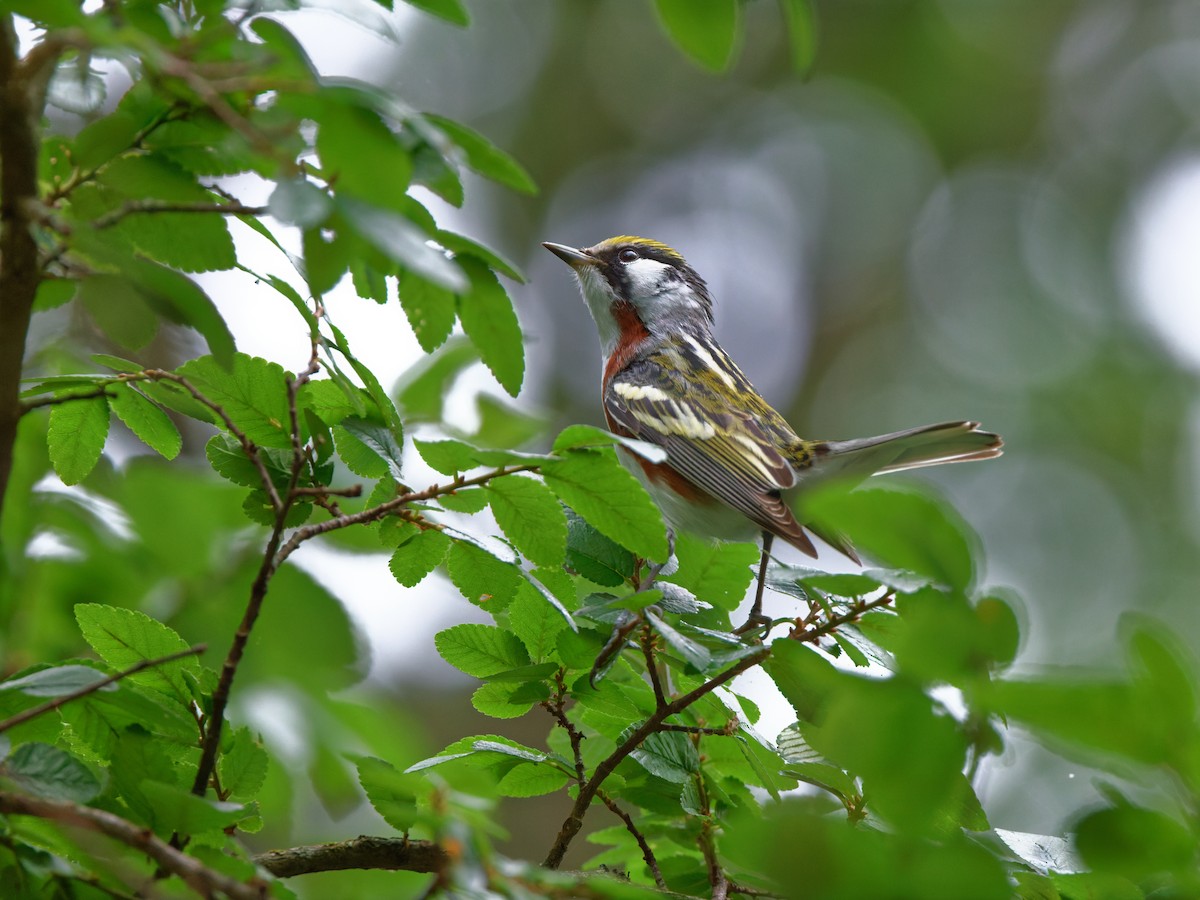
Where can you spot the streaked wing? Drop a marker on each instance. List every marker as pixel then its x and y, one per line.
pixel 726 452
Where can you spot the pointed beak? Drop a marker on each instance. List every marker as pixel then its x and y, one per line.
pixel 576 259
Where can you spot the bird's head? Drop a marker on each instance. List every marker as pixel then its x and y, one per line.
pixel 632 282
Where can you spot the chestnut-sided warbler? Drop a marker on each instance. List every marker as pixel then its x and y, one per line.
pixel 730 456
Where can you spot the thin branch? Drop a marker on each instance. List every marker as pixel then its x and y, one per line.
pixel 100 390
pixel 729 728
pixel 358 853
pixel 375 513
pixel 809 634
pixel 34 712
pixel 204 881
pixel 555 708
pixel 647 853
pixel 130 207
pixel 735 888
pixel 354 490
pixel 647 642
pixel 587 792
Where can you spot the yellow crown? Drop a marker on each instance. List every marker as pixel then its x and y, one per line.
pixel 629 239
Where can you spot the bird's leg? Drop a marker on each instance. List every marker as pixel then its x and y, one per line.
pixel 756 617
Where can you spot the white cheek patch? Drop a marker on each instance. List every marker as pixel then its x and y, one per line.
pixel 645 276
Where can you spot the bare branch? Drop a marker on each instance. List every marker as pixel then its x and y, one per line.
pixel 362 852
pixel 131 207
pixel 100 390
pixel 204 881
pixel 55 703
pixel 647 853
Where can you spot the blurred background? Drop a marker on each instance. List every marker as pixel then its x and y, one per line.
pixel 984 209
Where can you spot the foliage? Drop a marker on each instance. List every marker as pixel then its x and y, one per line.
pixel 897 674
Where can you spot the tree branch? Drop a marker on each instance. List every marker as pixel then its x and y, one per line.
pixel 20 273
pixel 587 792
pixel 204 881
pixel 130 207
pixel 647 853
pixel 359 853
pixel 55 703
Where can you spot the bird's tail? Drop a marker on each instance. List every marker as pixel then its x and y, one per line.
pixel 929 445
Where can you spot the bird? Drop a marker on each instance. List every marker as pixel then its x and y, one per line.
pixel 730 457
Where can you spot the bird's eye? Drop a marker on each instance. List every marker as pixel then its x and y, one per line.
pixel 627 255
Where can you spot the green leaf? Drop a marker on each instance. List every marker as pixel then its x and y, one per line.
pixel 125 637
pixel 229 460
pixel 468 500
pixel 54 292
pixel 716 572
pixel 430 309
pixel 480 650
pixel 1134 842
pixel 535 622
pixel 594 556
pixel 461 245
pixel 902 528
pixel 251 390
pixel 531 780
pixel 177 298
pixel 485 157
pixel 452 11
pixel 595 485
pixel 506 700
pixel 503 425
pixel 576 437
pixel 422 390
pixel 694 653
pixel 418 556
pixel 481 577
pixel 670 755
pixel 705 30
pixel 404 242
pixel 490 322
pixel 299 202
pixel 242 765
pixel 801 21
pixel 50 772
pixel 179 811
pixel 119 308
pixel 147 420
pixel 380 440
pixel 56 681
pixel 393 793
pixel 360 154
pixel 530 515
pixel 78 429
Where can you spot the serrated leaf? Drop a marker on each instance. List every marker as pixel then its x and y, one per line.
pixel 490 322
pixel 179 811
pixel 404 242
pixel 178 299
pixel 483 156
pixel 418 556
pixel 229 460
pixel 380 440
pixel 390 791
pixel 125 637
pixel 480 650
pixel 612 500
pixel 359 153
pixel 461 244
pixel 530 515
pixel 119 308
pixel 147 420
pixel 594 556
pixel 716 572
pixel 251 390
pixel 50 772
pixel 76 436
pixel 431 309
pixel 535 622
pixel 508 700
pixel 705 30
pixel 481 577
pixel 242 765
pixel 468 500
pixel 531 780
pixel 576 437
pixel 693 652
pixel 670 755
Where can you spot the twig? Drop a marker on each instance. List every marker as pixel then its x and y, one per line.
pixel 647 642
pixel 806 633
pixel 35 711
pixel 130 207
pixel 375 513
pixel 647 853
pixel 100 390
pixel 587 792
pixel 362 852
pixel 726 730
pixel 204 881
pixel 354 490
pixel 735 888
pixel 555 708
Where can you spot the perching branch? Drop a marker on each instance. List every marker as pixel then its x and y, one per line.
pixel 55 703
pixel 204 881
pixel 647 853
pixel 359 853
